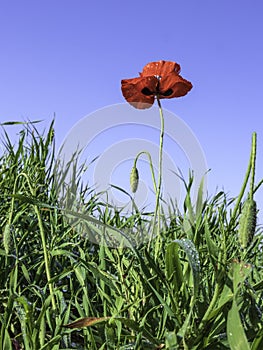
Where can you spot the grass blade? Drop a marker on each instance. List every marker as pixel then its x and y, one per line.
pixel 235 331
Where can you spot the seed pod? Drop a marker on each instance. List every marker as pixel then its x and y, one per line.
pixel 134 179
pixel 248 222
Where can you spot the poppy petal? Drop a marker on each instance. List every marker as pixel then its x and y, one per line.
pixel 160 68
pixel 139 92
pixel 173 85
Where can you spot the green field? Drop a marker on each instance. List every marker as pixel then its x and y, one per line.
pixel 197 283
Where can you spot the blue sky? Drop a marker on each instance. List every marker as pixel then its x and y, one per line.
pixel 68 57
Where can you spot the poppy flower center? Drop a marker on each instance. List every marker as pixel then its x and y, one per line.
pixel 147 92
pixel 167 92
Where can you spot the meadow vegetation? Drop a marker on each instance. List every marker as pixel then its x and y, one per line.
pixel 197 285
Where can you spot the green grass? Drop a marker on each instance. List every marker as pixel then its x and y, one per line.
pixel 199 285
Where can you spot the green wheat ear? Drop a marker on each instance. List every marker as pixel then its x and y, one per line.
pixel 248 222
pixel 134 179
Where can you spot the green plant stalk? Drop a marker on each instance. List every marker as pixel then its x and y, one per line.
pixel 43 239
pixel 250 165
pixel 258 185
pixel 103 268
pixel 46 257
pixel 218 287
pixel 9 221
pixel 158 192
pixel 248 218
pixel 253 164
pixel 151 166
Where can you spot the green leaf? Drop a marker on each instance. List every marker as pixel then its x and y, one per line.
pixel 193 258
pixel 199 200
pixel 51 343
pixel 19 123
pixel 258 341
pixel 241 271
pixel 235 331
pixel 173 267
pixel 225 298
pixel 100 228
pixel 171 341
pixel 6 342
pixel 211 246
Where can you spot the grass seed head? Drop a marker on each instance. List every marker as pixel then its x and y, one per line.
pixel 248 222
pixel 7 237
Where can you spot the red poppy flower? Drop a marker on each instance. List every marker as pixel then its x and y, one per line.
pixel 158 79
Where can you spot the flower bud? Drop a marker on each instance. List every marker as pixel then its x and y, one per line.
pixel 134 179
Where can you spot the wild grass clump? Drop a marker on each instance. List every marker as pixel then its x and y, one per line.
pixel 198 286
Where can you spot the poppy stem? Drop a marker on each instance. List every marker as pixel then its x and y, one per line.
pixel 151 166
pixel 158 192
